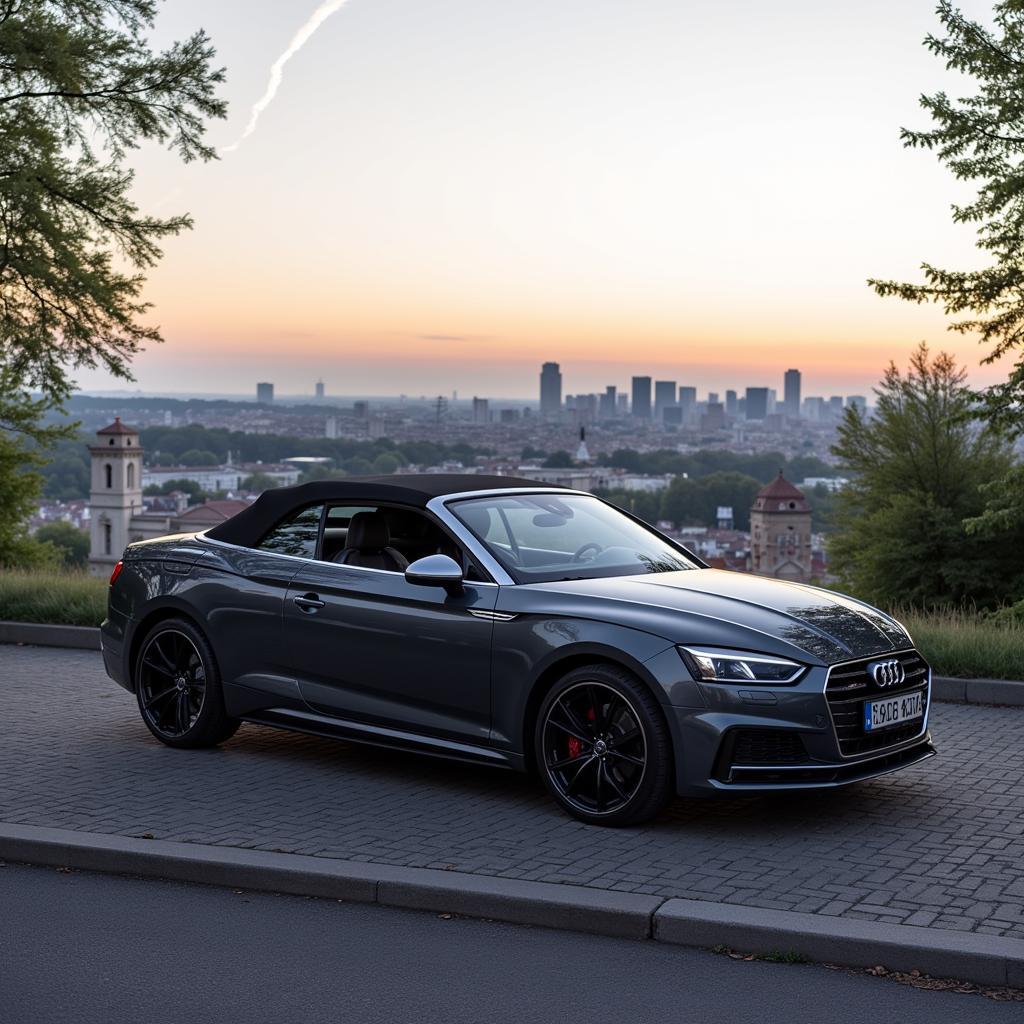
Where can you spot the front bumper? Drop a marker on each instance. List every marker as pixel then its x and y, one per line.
pixel 754 739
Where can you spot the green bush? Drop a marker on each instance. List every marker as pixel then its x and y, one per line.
pixel 968 644
pixel 60 598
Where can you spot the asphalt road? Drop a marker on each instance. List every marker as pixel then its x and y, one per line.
pixel 94 948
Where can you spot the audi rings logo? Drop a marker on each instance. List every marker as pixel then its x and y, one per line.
pixel 887 673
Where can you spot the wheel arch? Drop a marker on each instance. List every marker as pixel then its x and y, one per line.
pixel 147 622
pixel 567 661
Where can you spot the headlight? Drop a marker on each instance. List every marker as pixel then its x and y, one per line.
pixel 721 666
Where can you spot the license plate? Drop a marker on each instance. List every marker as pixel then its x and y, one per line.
pixel 880 714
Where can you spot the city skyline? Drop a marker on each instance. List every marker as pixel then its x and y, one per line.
pixel 467 207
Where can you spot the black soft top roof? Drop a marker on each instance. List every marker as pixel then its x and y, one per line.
pixel 249 526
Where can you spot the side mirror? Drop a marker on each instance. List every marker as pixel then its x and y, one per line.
pixel 436 571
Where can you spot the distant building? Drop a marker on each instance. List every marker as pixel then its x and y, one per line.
pixel 791 399
pixel 724 516
pixel 713 417
pixel 361 410
pixel 780 532
pixel 858 402
pixel 481 411
pixel 550 390
pixel 814 409
pixel 319 390
pixel 731 404
pixel 835 407
pixel 117 515
pixel 688 404
pixel 607 407
pixel 265 393
pixel 622 404
pixel 582 454
pixel 641 404
pixel 756 403
pixel 331 428
pixel 664 396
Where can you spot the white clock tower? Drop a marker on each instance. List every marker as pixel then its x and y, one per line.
pixel 115 495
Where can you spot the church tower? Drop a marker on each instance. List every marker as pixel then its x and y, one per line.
pixel 115 494
pixel 780 532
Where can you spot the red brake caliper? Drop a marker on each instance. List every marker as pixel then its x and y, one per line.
pixel 575 746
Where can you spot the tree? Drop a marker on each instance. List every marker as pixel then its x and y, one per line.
pixel 80 88
pixel 917 472
pixel 71 543
pixel 558 460
pixel 980 138
pixel 257 482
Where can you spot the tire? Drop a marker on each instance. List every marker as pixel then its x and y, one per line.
pixel 178 687
pixel 603 747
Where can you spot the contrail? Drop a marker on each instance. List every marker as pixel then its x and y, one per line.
pixel 316 19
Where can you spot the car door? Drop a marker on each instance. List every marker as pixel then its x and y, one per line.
pixel 368 646
pixel 242 592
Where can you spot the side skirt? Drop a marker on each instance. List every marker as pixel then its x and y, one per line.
pixel 380 736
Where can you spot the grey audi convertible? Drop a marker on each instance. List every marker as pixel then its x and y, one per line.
pixel 498 622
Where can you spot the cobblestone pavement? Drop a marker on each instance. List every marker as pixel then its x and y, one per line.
pixel 939 845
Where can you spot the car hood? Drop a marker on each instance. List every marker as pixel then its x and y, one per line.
pixel 818 622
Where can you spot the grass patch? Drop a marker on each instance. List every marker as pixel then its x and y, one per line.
pixel 52 596
pixel 964 643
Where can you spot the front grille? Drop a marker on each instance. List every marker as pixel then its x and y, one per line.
pixel 850 685
pixel 768 746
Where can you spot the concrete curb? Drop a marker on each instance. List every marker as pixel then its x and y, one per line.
pixel 44 635
pixel 969 956
pixel 948 689
pixel 1008 692
pixel 983 959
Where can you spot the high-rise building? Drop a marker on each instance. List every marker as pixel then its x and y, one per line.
pixel 712 398
pixel 857 401
pixel 641 405
pixel 713 417
pixel 835 407
pixel 606 409
pixel 664 395
pixel 319 390
pixel 791 394
pixel 550 390
pixel 265 393
pixel 481 411
pixel 688 403
pixel 622 404
pixel 757 403
pixel 731 403
pixel 814 408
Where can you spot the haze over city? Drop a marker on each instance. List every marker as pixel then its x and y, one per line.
pixel 441 195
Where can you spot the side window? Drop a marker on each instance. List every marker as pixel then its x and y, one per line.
pixel 295 536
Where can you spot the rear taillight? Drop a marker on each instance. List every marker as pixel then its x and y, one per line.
pixel 116 572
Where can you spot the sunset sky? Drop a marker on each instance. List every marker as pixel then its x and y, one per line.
pixel 444 193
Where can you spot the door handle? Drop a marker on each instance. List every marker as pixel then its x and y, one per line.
pixel 309 602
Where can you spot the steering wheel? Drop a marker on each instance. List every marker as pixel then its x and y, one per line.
pixel 581 551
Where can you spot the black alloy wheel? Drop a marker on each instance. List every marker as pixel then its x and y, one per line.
pixel 178 688
pixel 603 747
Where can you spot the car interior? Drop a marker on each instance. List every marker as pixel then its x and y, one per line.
pixel 384 537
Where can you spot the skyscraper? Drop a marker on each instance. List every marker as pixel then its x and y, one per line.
pixel 688 403
pixel 791 401
pixel 664 395
pixel 481 410
pixel 550 390
pixel 642 398
pixel 757 403
pixel 606 409
pixel 264 392
pixel 319 390
pixel 731 403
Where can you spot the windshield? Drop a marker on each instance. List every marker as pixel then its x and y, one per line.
pixel 539 538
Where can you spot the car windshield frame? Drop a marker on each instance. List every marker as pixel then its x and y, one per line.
pixel 547 503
